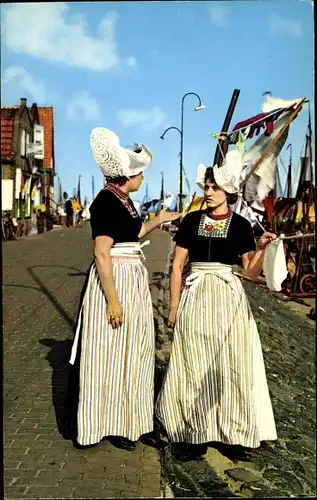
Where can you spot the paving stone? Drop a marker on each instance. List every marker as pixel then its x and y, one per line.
pixel 15 492
pixel 245 475
pixel 292 380
pixel 36 349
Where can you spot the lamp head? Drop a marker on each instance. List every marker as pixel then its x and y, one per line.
pixel 200 108
pixel 162 137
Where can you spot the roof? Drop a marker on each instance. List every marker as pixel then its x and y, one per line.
pixel 46 116
pixel 7 129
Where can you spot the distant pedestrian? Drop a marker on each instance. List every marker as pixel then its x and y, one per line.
pixel 86 212
pixel 61 215
pixel 76 209
pixel 80 217
pixel 69 213
pixel 114 345
pixel 215 387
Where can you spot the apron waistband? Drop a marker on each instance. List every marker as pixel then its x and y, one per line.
pixel 129 249
pixel 200 269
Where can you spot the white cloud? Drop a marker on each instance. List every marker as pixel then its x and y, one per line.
pixel 218 13
pixel 132 62
pixel 83 106
pixel 278 25
pixel 45 31
pixel 22 80
pixel 148 119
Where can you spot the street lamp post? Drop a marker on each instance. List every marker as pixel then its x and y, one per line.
pixel 181 132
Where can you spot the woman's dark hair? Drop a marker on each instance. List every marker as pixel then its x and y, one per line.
pixel 120 181
pixel 209 176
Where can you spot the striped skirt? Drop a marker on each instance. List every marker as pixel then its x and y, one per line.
pixel 116 378
pixel 215 387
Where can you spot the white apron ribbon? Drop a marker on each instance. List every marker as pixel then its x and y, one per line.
pixel 129 249
pixel 200 269
pixel 118 250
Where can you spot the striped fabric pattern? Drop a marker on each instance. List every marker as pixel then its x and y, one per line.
pixel 117 366
pixel 215 387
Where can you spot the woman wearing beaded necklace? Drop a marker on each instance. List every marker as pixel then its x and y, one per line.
pixel 114 348
pixel 215 387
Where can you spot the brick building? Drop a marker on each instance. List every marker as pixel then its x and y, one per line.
pixel 46 115
pixel 27 158
pixel 20 171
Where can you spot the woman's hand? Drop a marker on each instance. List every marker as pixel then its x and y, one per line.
pixel 115 313
pixel 265 239
pixel 172 316
pixel 166 216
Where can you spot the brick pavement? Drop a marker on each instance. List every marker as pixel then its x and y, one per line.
pixel 283 468
pixel 43 278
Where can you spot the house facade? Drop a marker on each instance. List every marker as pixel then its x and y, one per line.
pixel 21 168
pixel 27 159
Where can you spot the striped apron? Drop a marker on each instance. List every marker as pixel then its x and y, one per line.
pixel 215 387
pixel 116 388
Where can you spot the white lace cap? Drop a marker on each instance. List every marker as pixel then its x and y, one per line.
pixel 114 160
pixel 227 177
pixel 200 176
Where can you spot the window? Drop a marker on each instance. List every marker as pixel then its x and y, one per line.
pixel 23 143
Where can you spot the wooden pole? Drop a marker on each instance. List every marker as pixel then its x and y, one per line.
pixel 224 144
pixel 274 141
pixel 310 146
pixel 297 236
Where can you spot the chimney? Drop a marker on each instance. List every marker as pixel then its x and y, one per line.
pixel 23 101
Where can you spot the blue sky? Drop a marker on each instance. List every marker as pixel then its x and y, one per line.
pixel 126 66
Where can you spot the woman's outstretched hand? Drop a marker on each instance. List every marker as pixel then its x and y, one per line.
pixel 166 216
pixel 265 239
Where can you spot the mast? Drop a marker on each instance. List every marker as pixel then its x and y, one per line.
pixel 162 192
pixel 162 187
pixel 223 144
pixel 78 189
pixel 304 167
pixel 310 146
pixel 278 184
pixel 93 186
pixel 60 195
pixel 289 173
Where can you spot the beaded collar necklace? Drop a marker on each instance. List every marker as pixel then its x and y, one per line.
pixel 124 198
pixel 219 217
pixel 117 191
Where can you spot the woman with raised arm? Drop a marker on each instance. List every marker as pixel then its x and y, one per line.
pixel 114 343
pixel 215 387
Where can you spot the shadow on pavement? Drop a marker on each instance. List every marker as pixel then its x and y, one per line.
pixel 44 289
pixel 58 358
pixel 65 377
